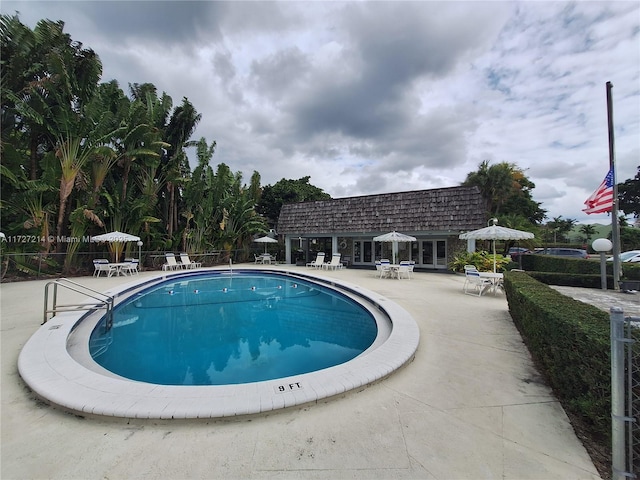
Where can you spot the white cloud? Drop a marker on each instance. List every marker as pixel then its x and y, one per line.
pixel 372 97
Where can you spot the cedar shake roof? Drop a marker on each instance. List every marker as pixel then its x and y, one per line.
pixel 441 209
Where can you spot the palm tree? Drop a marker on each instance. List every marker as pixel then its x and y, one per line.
pixel 494 182
pixel 48 80
pixel 560 227
pixel 72 155
pixel 517 222
pixel 48 83
pixel 24 78
pixel 588 231
pixel 181 126
pixel 506 190
pixel 199 208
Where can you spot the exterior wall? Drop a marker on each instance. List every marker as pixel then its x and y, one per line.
pixel 435 217
pixel 344 245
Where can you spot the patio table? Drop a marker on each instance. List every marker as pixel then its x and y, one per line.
pixel 265 258
pixel 118 270
pixel 495 277
pixel 390 271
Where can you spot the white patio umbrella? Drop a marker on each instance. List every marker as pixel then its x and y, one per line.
pixel 495 232
pixel 395 238
pixel 265 240
pixel 117 241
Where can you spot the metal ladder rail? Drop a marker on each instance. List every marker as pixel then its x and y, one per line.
pixel 102 300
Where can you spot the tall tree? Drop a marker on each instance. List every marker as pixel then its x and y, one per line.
pixel 629 195
pixel 46 80
pixel 175 166
pixel 558 228
pixel 588 231
pixel 506 190
pixel 73 155
pixel 287 191
pixel 199 201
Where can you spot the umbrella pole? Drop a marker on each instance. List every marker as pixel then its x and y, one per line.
pixel 494 256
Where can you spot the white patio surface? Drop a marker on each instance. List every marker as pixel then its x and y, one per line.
pixel 470 405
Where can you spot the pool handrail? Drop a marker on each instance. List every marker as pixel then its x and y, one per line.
pixel 102 300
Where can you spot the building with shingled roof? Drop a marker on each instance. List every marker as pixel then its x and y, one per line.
pixel 348 225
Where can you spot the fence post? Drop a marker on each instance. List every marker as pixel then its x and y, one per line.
pixel 618 417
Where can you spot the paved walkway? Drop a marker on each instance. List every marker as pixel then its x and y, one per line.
pixel 471 405
pixel 605 299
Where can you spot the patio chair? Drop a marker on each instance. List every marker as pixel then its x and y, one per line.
pixel 476 282
pixel 187 263
pixel 385 268
pixel 131 268
pixel 405 269
pixel 318 262
pixel 102 265
pixel 468 268
pixel 335 262
pixel 171 264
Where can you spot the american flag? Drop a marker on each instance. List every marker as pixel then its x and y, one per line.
pixel 601 200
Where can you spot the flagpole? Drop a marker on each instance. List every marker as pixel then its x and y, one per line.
pixel 615 229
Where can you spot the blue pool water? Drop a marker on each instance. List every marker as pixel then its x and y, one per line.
pixel 231 328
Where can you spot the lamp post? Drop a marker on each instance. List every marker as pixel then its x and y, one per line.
pixel 140 254
pixel 602 245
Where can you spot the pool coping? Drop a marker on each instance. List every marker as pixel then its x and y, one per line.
pixel 53 374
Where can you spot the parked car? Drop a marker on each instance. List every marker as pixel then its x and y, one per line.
pixel 515 251
pixel 564 252
pixel 631 256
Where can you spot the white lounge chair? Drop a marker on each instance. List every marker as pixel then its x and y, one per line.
pixel 187 263
pixel 102 265
pixel 171 262
pixel 318 262
pixel 334 264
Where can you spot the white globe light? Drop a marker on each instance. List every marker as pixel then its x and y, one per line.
pixel 602 245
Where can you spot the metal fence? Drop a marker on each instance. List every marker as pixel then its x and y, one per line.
pixel 625 394
pixel 39 265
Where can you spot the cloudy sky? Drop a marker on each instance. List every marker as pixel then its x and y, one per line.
pixel 375 97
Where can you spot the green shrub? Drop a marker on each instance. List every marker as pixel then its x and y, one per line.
pixel 576 266
pixel 482 260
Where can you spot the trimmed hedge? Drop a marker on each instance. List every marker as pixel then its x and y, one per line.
pixel 573 269
pixel 568 280
pixel 570 342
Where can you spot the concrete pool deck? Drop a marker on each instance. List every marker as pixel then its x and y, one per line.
pixel 470 405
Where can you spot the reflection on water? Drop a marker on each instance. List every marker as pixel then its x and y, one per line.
pixel 232 329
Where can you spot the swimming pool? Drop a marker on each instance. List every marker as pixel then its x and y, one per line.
pixel 57 365
pixel 235 328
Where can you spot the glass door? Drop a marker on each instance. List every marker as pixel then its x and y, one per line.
pixel 434 254
pixel 362 252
